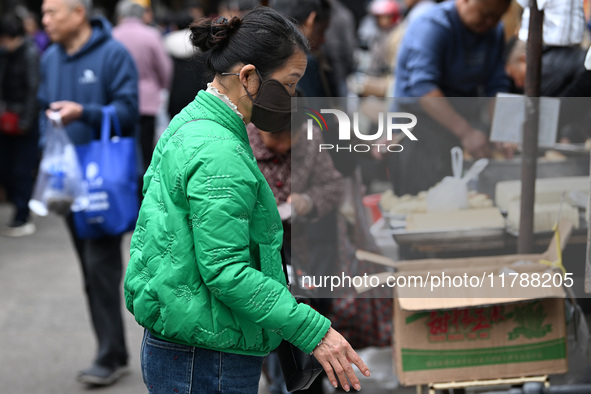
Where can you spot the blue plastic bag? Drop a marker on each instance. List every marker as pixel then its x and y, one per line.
pixel 109 167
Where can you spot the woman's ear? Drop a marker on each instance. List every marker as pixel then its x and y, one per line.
pixel 249 78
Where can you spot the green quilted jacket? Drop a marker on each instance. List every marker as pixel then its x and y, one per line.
pixel 205 267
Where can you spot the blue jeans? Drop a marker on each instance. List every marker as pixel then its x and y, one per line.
pixel 173 368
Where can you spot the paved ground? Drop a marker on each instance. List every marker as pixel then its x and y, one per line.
pixel 45 333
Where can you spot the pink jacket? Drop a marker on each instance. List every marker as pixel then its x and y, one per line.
pixel 153 63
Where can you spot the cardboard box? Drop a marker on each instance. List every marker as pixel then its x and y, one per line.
pixel 471 333
pixel 438 344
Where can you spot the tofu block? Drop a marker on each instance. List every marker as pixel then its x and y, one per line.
pixel 458 219
pixel 548 190
pixel 545 215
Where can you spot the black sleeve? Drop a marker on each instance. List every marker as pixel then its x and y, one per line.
pixel 30 112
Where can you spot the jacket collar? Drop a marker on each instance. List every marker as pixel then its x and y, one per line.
pixel 213 108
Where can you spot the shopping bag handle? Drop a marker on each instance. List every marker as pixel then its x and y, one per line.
pixel 109 115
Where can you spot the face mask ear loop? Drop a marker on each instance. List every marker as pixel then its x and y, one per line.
pixel 247 92
pixel 260 85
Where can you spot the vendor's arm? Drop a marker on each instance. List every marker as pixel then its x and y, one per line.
pixel 473 141
pixel 421 69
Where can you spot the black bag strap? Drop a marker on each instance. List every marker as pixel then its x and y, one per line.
pixel 284 263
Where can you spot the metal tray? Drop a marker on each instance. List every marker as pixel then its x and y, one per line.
pixel 567 149
pixel 468 234
pixel 582 227
pixel 505 170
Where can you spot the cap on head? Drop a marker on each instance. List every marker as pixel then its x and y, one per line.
pixel 385 8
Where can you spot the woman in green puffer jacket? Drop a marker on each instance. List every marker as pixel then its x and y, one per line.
pixel 205 276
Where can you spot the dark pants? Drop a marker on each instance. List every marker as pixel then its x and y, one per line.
pixel 102 269
pixel 18 160
pixel 147 126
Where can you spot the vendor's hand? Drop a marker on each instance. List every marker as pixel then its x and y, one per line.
pixel 302 204
pixel 336 356
pixel 508 149
pixel 475 142
pixel 68 110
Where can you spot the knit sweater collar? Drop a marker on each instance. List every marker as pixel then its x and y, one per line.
pixel 213 90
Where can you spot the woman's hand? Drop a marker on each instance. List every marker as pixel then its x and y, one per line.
pixel 336 356
pixel 302 203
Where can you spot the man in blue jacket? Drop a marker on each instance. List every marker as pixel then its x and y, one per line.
pixel 453 50
pixel 83 71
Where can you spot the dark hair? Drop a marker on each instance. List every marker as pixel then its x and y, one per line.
pixel 11 25
pixel 182 20
pixel 192 4
pixel 262 37
pixel 298 10
pixel 240 5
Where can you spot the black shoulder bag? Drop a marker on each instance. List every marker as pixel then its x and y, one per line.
pixel 299 369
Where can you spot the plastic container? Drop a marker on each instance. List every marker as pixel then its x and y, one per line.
pixel 371 202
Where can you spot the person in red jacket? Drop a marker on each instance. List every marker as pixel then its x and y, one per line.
pixel 19 77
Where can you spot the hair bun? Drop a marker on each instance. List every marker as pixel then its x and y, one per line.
pixel 209 34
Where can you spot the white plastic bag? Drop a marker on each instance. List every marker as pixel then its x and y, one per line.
pixel 59 187
pixel 452 192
